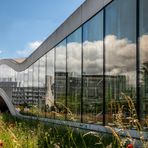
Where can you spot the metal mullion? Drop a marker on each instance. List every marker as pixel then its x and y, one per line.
pixel 54 79
pixel 45 81
pixel 104 63
pixel 38 82
pixel 137 61
pixel 66 93
pixel 82 75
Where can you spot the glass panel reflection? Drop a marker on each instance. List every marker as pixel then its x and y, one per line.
pixel 120 46
pixel 74 47
pixel 42 86
pixel 60 80
pixel 35 90
pixel 144 60
pixel 93 69
pixel 49 99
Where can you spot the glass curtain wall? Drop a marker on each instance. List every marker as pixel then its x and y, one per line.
pixel 8 80
pixel 93 69
pixel 60 80
pixel 14 85
pixel 16 92
pixel 49 99
pixel 143 41
pixel 25 89
pixel 42 88
pixel 30 92
pixel 35 108
pixel 120 51
pixel 74 49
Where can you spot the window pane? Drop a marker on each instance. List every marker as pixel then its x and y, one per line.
pixel 35 88
pixel 30 91
pixel 50 85
pixel 42 88
pixel 120 53
pixel 93 69
pixel 144 57
pixel 60 80
pixel 74 75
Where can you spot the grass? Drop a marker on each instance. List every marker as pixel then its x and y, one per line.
pixel 18 133
pixel 15 133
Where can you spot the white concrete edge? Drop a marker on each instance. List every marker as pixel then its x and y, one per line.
pixel 91 127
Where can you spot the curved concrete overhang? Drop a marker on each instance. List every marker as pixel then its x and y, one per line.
pixel 8 102
pixel 88 9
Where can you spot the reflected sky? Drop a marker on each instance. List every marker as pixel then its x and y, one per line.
pixel 120 56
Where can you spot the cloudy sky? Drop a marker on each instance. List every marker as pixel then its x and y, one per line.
pixel 24 24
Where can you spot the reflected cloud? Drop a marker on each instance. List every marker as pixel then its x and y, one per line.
pixel 93 57
pixel 144 48
pixel 61 58
pixel 120 58
pixel 74 58
pixel 120 55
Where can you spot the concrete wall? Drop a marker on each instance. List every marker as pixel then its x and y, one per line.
pixel 81 15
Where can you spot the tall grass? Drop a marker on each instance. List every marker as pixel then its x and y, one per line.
pixel 17 133
pixel 125 123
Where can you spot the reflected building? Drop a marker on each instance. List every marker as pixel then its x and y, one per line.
pixel 87 68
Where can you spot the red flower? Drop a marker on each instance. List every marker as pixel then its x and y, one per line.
pixel 1 143
pixel 130 146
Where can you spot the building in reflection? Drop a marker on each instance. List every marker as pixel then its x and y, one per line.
pixel 93 63
pixel 144 87
pixel 28 95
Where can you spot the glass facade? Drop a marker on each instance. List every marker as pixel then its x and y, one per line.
pixel 74 50
pixel 49 99
pixel 86 77
pixel 60 80
pixel 143 43
pixel 93 69
pixel 35 88
pixel 42 86
pixel 120 66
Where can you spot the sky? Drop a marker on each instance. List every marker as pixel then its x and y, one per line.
pixel 25 24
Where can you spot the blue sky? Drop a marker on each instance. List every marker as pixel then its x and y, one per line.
pixel 24 24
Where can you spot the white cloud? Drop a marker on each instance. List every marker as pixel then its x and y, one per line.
pixel 30 48
pixel 34 45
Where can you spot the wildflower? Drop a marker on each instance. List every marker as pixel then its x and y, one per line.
pixel 130 146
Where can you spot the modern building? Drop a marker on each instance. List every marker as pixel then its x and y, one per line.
pixel 90 65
